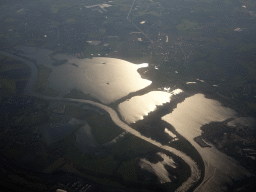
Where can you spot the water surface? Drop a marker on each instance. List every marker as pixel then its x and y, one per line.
pixel 159 168
pixel 139 106
pixel 106 79
pixel 187 119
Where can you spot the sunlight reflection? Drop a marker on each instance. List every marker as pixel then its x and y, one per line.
pixel 139 106
pixel 143 65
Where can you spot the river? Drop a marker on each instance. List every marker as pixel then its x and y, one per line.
pixel 195 172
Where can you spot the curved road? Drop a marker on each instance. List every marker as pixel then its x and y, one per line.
pixel 195 172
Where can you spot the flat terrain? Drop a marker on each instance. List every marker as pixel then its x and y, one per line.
pixel 72 95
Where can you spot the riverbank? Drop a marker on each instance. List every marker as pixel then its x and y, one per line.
pixel 195 172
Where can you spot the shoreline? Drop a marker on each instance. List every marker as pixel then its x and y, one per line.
pixel 195 171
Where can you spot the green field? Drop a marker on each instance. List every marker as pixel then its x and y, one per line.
pixel 76 94
pixel 9 84
pixel 104 130
pixel 42 83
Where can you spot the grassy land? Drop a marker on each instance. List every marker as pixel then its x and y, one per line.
pixel 60 62
pixel 75 111
pixel 76 94
pixel 140 13
pixel 13 65
pixel 55 165
pixel 27 182
pixel 105 165
pixel 8 85
pixel 119 168
pixel 104 130
pixel 131 146
pixel 97 169
pixel 110 170
pixel 15 151
pixel 128 170
pixel 10 63
pixel 42 82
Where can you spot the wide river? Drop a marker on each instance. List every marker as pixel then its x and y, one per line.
pixel 195 172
